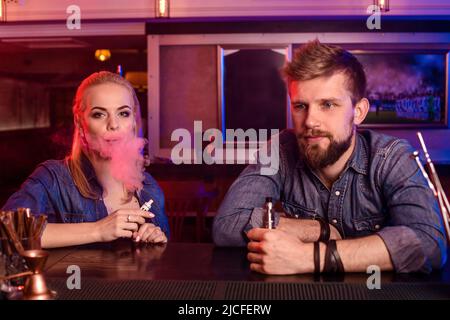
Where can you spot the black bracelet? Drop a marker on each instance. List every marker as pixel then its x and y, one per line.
pixel 324 230
pixel 328 265
pixel 337 257
pixel 333 262
pixel 316 257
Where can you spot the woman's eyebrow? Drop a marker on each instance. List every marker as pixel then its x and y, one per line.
pixel 97 107
pixel 104 109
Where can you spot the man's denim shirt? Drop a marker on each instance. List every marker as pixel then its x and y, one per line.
pixel 50 190
pixel 381 191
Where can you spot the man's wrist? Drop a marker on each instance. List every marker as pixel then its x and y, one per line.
pixel 311 232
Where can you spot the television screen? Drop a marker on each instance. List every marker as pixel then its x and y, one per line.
pixel 405 88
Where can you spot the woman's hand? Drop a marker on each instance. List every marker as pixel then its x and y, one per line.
pixel 120 224
pixel 148 232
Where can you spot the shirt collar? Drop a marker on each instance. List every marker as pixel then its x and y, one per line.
pixel 147 180
pixel 359 159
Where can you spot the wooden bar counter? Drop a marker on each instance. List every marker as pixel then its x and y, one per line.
pixel 200 271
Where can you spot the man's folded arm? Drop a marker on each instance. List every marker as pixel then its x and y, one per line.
pixel 243 201
pixel 415 236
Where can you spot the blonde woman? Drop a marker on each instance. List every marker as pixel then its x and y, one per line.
pixel 95 194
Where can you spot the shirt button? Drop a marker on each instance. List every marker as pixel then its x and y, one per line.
pixel 296 216
pixel 377 226
pixel 334 221
pixel 337 193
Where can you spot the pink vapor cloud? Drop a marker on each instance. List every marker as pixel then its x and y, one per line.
pixel 125 154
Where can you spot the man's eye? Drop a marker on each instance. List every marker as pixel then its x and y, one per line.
pixel 299 106
pixel 125 114
pixel 328 104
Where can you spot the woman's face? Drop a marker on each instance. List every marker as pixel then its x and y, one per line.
pixel 109 116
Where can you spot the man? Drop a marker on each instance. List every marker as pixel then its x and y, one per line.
pixel 361 194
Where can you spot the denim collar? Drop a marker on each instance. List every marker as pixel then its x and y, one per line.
pixel 359 160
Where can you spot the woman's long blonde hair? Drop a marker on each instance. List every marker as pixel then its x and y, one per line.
pixel 74 159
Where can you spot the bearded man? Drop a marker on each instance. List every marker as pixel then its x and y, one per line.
pixel 350 198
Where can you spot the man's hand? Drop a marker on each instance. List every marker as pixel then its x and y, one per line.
pixel 306 230
pixel 278 252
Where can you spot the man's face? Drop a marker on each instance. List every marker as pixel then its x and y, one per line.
pixel 323 117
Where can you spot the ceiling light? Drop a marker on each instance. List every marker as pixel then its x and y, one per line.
pixel 102 54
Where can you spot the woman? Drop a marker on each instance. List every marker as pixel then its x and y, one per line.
pixel 95 194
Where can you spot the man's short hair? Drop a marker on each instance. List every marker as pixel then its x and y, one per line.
pixel 315 59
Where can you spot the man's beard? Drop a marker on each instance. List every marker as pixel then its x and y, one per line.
pixel 317 158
